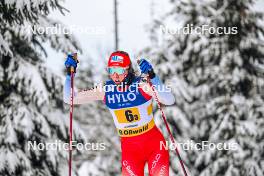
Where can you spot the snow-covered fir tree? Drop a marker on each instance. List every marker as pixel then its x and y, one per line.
pixel 31 105
pixel 97 123
pixel 218 82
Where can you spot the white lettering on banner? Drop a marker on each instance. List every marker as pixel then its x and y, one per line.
pixel 117 98
pixel 111 98
pixel 131 98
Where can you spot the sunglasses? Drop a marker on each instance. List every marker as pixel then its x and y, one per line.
pixel 118 70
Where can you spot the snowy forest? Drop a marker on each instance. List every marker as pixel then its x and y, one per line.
pixel 217 80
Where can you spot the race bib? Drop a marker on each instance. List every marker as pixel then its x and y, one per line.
pixel 127 115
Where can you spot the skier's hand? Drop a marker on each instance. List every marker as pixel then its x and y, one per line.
pixel 146 68
pixel 71 61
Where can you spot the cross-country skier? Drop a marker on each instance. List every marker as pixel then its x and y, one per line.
pixel 129 100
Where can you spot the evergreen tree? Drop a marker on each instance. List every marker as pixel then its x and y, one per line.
pixel 31 106
pixel 217 80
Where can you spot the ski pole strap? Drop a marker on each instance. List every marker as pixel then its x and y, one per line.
pixel 167 126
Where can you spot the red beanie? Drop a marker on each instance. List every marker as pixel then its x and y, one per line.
pixel 119 59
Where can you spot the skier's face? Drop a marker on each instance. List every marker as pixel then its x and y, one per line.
pixel 117 77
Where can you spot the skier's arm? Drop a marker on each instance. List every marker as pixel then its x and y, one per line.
pixel 163 93
pixel 81 97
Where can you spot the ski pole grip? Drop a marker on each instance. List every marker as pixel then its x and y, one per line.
pixel 72 69
pixel 75 57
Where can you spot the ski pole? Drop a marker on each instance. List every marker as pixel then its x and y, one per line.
pixel 166 124
pixel 71 113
